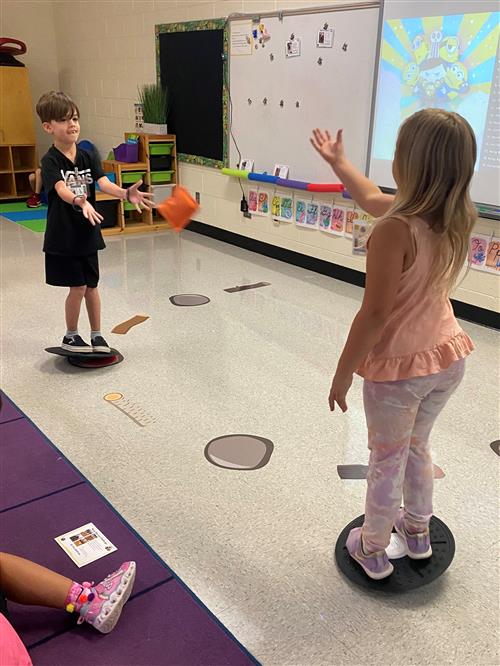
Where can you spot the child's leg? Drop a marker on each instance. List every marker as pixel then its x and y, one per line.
pixel 32 179
pixel 93 304
pixel 28 583
pixel 73 305
pixel 38 181
pixel 390 410
pixel 419 477
pixel 100 605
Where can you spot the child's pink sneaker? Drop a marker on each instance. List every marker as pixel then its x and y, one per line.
pixel 418 546
pixel 101 605
pixel 375 565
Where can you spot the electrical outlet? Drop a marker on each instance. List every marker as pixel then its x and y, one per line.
pixel 197 197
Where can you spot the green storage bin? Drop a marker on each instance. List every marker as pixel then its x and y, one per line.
pixel 160 148
pixel 128 206
pixel 132 176
pixel 161 176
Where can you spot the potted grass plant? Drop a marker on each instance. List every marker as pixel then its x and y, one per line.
pixel 154 100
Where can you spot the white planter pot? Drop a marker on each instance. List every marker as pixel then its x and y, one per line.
pixel 154 128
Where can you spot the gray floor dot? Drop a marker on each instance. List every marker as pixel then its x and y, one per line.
pixel 187 300
pixel 243 452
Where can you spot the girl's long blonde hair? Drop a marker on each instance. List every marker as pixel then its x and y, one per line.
pixel 433 165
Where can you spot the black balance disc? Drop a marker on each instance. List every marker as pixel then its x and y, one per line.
pixel 408 574
pixel 88 360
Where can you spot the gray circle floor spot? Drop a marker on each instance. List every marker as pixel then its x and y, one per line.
pixel 495 446
pixel 187 300
pixel 242 452
pixel 408 574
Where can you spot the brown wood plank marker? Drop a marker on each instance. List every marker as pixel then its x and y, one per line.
pixel 125 326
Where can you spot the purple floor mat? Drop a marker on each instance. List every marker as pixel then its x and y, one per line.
pixel 29 531
pixel 165 627
pixel 9 411
pixel 29 466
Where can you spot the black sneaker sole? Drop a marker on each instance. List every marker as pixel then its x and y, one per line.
pixel 101 350
pixel 77 350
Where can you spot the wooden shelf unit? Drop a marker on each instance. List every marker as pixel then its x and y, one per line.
pixel 17 161
pixel 127 173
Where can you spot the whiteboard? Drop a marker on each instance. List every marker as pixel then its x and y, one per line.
pixel 335 94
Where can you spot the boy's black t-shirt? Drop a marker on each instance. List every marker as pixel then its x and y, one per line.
pixel 68 232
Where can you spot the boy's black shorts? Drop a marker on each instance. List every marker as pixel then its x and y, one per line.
pixel 63 271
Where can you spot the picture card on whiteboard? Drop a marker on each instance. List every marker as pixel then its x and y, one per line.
pixel 325 38
pixel 246 165
pixel 281 170
pixel 293 48
pixel 85 544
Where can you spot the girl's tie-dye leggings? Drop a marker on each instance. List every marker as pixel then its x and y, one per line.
pixel 400 416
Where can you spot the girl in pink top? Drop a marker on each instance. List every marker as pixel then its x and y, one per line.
pixel 405 341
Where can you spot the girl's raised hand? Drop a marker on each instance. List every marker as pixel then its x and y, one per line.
pixel 330 150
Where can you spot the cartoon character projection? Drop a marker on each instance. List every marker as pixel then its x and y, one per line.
pixel 436 71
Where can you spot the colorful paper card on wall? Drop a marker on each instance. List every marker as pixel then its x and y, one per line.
pixel 337 226
pixel 360 231
pixel 478 250
pixel 312 215
pixel 253 197
pixel 300 212
pixel 484 253
pixel 258 202
pixel 350 217
pixel 286 208
pixel 325 216
pixel 263 203
pixel 493 256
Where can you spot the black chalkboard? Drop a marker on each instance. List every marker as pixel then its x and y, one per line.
pixel 192 68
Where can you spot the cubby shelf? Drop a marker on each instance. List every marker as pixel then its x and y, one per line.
pixel 157 166
pixel 17 161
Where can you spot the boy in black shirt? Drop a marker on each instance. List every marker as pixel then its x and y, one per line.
pixel 73 235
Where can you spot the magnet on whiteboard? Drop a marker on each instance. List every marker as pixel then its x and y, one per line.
pixel 282 103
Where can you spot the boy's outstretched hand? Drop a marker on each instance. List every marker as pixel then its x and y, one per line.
pixel 91 214
pixel 138 198
pixel 331 150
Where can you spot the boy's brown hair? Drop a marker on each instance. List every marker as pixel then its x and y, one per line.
pixel 56 106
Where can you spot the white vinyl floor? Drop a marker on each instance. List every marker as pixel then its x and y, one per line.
pixel 255 546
